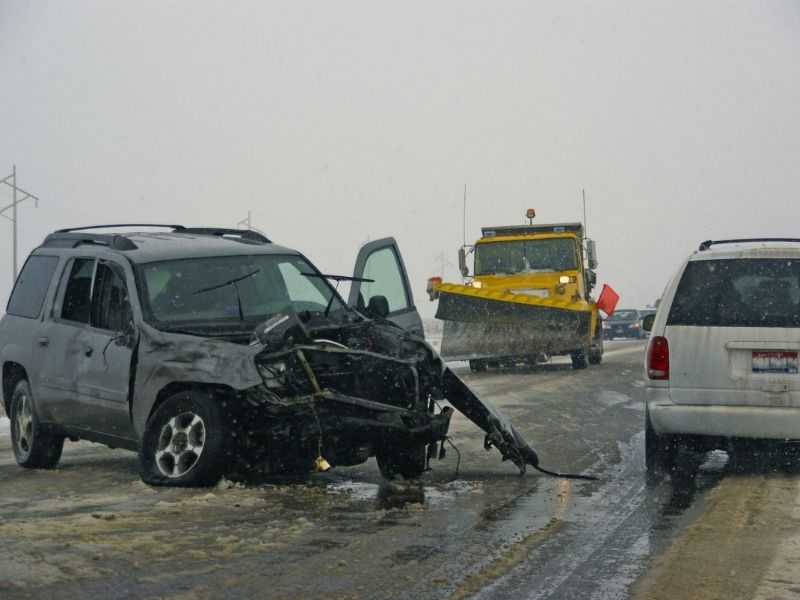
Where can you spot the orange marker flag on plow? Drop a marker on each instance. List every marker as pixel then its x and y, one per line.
pixel 607 300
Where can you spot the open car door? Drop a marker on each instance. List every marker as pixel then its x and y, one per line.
pixel 388 295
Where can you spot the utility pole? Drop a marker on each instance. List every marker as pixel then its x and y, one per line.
pixel 246 223
pixel 13 217
pixel 443 263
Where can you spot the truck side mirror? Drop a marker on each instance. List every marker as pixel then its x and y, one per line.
pixel 462 262
pixel 590 277
pixel 647 323
pixel 591 254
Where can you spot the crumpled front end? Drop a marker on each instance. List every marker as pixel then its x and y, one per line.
pixel 345 400
pixel 362 390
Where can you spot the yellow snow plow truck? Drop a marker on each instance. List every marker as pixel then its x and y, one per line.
pixel 527 299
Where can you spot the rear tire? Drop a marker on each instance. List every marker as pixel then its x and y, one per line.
pixel 409 462
pixel 184 442
pixel 580 358
pixel 596 351
pixel 35 447
pixel 660 451
pixel 477 365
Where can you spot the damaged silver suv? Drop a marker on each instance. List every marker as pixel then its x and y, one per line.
pixel 215 352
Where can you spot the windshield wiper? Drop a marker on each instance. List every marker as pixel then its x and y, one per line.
pixel 232 282
pixel 338 279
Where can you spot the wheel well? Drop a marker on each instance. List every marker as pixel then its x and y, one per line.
pixel 189 386
pixel 13 373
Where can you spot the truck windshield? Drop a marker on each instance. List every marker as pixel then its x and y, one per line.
pixel 233 291
pixel 526 256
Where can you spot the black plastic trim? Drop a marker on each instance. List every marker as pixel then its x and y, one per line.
pixel 708 243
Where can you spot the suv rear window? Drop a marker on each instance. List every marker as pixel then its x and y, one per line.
pixel 746 292
pixel 28 295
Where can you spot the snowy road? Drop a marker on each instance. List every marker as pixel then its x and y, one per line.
pixel 91 529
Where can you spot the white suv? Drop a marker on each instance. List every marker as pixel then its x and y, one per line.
pixel 722 360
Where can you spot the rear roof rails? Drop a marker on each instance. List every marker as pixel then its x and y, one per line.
pixel 115 225
pixel 73 236
pixel 245 234
pixel 708 243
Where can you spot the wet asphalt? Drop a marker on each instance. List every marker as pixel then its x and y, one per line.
pixel 471 527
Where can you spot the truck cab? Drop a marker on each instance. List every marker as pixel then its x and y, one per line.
pixel 545 261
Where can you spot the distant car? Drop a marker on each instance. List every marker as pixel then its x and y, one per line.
pixel 722 360
pixel 625 323
pixel 214 351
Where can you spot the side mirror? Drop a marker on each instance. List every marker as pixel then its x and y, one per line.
pixel 591 254
pixel 591 280
pixel 462 262
pixel 647 322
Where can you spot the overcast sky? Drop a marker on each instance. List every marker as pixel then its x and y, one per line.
pixel 337 122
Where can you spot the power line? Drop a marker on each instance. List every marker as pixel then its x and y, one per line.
pixel 443 262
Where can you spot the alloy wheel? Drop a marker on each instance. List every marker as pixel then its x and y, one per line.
pixel 180 444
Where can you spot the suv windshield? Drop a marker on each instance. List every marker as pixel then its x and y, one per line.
pixel 228 290
pixel 554 254
pixel 750 292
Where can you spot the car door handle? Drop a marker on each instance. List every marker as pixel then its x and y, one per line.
pixel 88 351
pixel 44 342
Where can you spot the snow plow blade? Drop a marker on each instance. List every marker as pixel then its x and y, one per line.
pixel 482 323
pixel 500 433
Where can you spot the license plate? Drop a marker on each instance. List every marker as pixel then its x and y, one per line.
pixel 774 361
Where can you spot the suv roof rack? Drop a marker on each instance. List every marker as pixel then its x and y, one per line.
pixel 244 234
pixel 73 236
pixel 71 229
pixel 708 243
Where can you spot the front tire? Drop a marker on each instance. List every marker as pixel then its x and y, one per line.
pixel 184 442
pixel 409 463
pixel 34 446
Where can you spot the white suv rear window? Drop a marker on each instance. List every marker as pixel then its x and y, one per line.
pixel 742 292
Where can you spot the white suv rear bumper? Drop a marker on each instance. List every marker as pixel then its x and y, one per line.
pixel 766 422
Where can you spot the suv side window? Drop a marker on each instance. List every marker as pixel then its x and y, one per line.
pixel 77 299
pixel 32 284
pixel 747 292
pixel 110 304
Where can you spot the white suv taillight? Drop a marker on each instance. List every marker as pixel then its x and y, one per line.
pixel 658 358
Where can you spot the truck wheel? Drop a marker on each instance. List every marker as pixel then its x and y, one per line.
pixel 183 442
pixel 596 352
pixel 409 462
pixel 660 451
pixel 580 358
pixel 477 365
pixel 34 446
pixel 596 349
